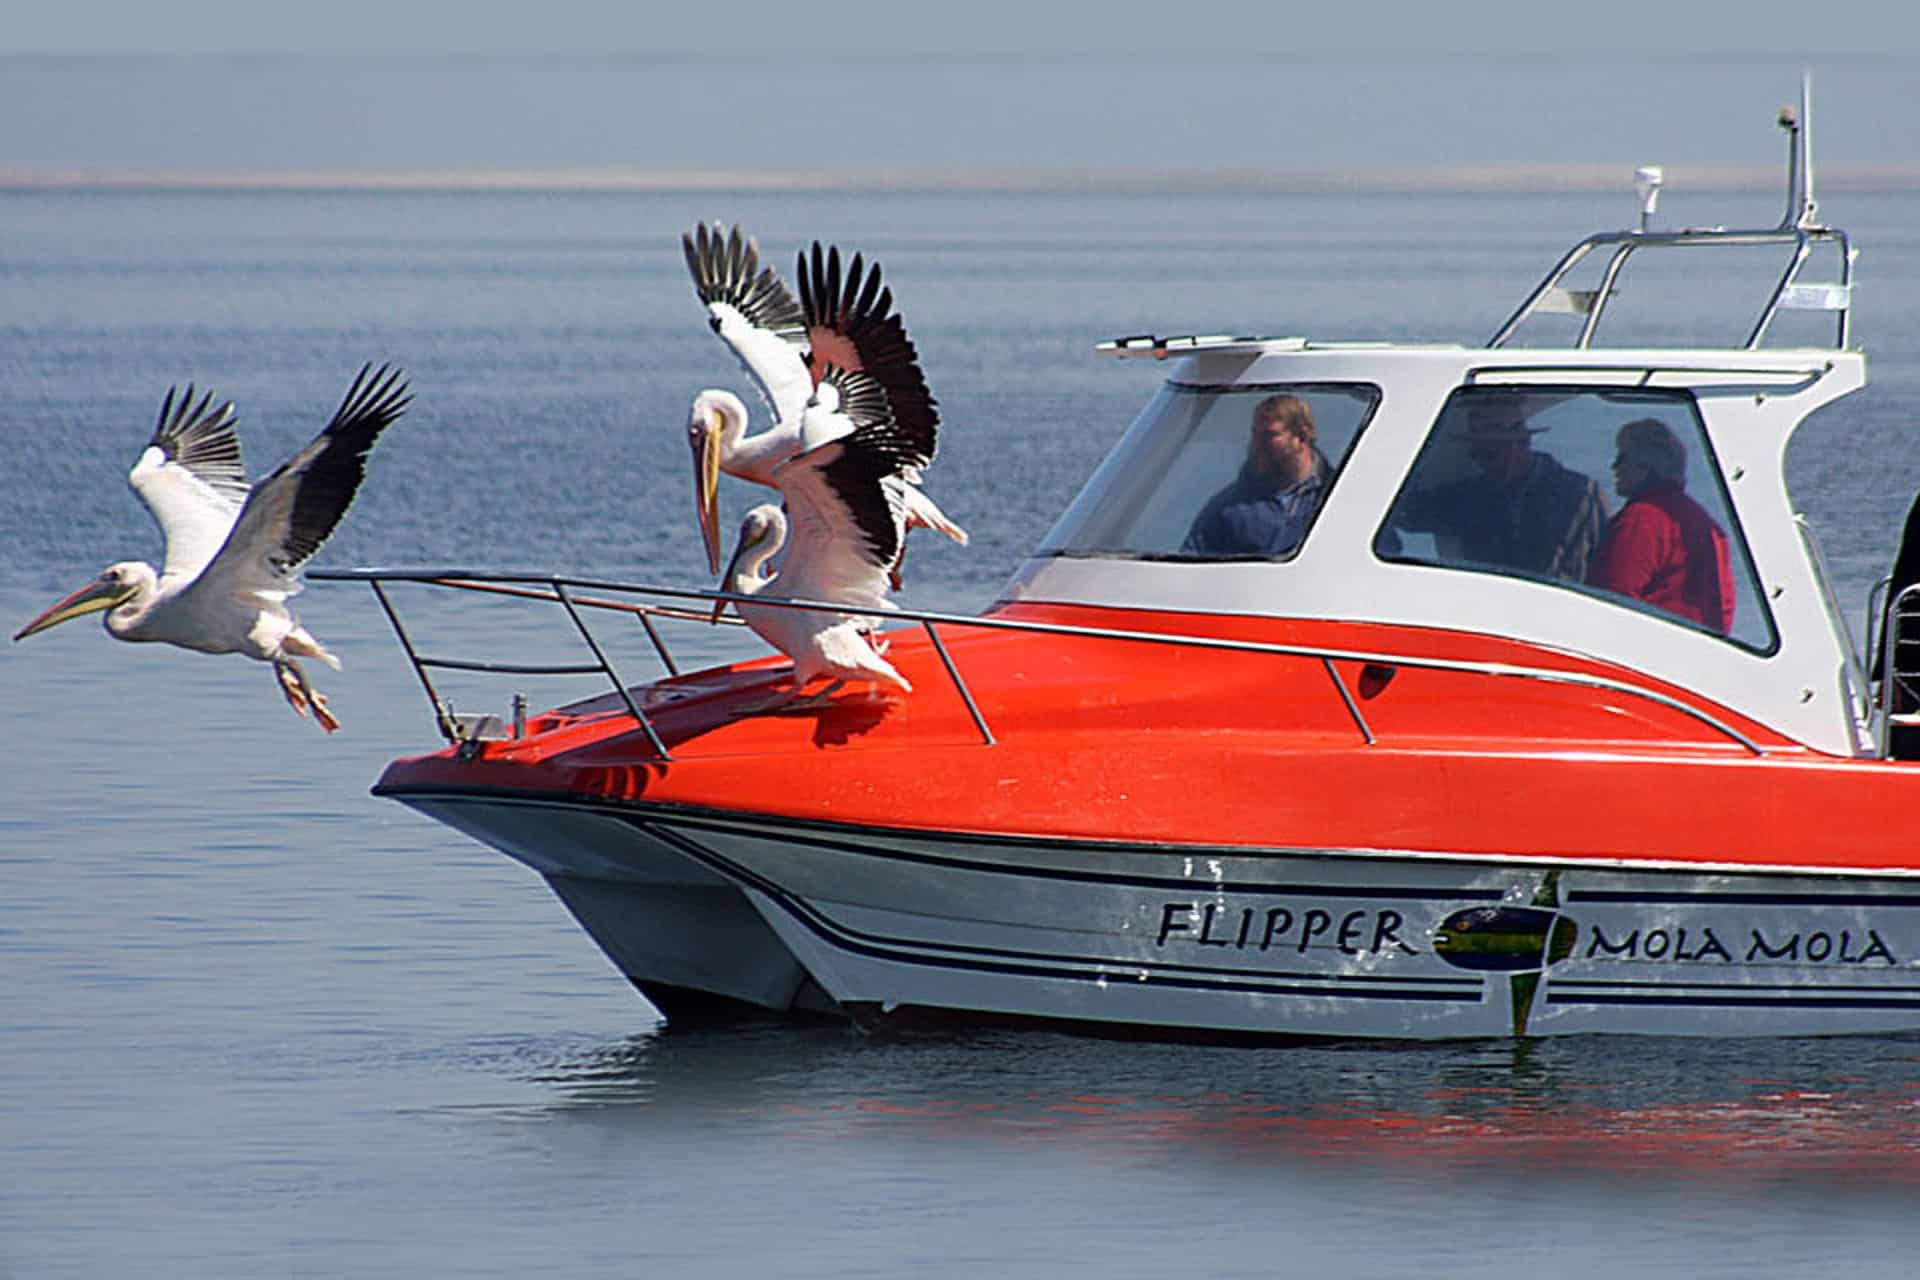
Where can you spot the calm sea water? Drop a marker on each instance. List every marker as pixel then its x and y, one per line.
pixel 253 1021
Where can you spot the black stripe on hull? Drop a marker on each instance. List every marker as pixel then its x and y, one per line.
pixel 1569 994
pixel 1009 963
pixel 1269 889
pixel 1674 898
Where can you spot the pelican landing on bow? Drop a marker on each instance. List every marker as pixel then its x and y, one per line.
pixel 847 507
pixel 233 554
pixel 821 644
pixel 843 320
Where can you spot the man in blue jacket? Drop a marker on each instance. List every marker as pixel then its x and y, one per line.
pixel 1267 508
pixel 1521 509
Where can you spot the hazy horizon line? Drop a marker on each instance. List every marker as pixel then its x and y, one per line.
pixel 839 53
pixel 1519 179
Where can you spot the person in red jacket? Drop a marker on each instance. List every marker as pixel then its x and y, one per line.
pixel 1662 547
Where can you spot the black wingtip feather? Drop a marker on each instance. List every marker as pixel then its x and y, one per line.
pixel 333 466
pixel 858 306
pixel 833 281
pixel 869 292
pixel 725 266
pixel 200 436
pixel 375 399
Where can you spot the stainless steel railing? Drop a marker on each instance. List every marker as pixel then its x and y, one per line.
pixel 1799 229
pixel 565 592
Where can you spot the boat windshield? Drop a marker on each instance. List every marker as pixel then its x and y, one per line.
pixel 1207 473
pixel 1608 492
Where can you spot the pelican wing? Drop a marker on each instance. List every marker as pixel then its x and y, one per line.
pixel 846 496
pixel 192 480
pixel 754 314
pixel 851 325
pixel 293 511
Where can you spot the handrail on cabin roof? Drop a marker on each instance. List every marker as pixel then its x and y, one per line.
pixel 1799 226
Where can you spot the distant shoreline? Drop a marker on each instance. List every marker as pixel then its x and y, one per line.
pixel 1570 178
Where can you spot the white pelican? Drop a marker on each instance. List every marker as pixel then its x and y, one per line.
pixel 820 644
pixel 847 501
pixel 233 554
pixel 784 346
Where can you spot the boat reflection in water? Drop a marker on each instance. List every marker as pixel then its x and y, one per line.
pixel 1523 709
pixel 1658 1111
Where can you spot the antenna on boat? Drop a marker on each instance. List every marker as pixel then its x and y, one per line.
pixel 1647 180
pixel 1802 208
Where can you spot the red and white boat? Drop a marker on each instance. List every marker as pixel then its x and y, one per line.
pixel 1392 781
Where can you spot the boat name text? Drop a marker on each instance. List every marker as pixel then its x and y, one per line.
pixel 1691 945
pixel 1211 925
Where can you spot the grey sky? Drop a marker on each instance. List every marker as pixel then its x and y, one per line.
pixel 1881 28
pixel 836 87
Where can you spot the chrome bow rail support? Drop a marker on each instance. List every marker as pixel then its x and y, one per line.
pixel 457 730
pixel 564 591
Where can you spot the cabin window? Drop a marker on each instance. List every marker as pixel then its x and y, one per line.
pixel 1218 474
pixel 1612 493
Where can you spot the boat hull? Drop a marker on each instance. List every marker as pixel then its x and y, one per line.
pixel 889 924
pixel 681 932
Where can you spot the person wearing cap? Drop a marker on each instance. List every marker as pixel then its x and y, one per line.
pixel 1267 508
pixel 1521 510
pixel 1662 547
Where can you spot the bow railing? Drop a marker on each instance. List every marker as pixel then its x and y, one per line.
pixel 577 596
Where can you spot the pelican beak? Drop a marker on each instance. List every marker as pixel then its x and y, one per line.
pixel 729 581
pixel 102 593
pixel 705 441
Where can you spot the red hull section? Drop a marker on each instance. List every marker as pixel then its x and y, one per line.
pixel 1108 741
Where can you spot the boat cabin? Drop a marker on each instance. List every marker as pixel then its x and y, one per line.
pixel 1414 527
pixel 1628 504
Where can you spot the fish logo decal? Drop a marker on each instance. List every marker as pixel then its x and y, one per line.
pixel 1520 941
pixel 1505 939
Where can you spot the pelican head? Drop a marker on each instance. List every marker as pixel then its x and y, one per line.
pixel 713 425
pixel 762 532
pixel 118 584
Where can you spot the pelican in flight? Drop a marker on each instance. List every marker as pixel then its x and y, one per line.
pixel 233 553
pixel 845 321
pixel 847 505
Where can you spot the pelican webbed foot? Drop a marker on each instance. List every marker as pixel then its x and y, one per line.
pixel 302 696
